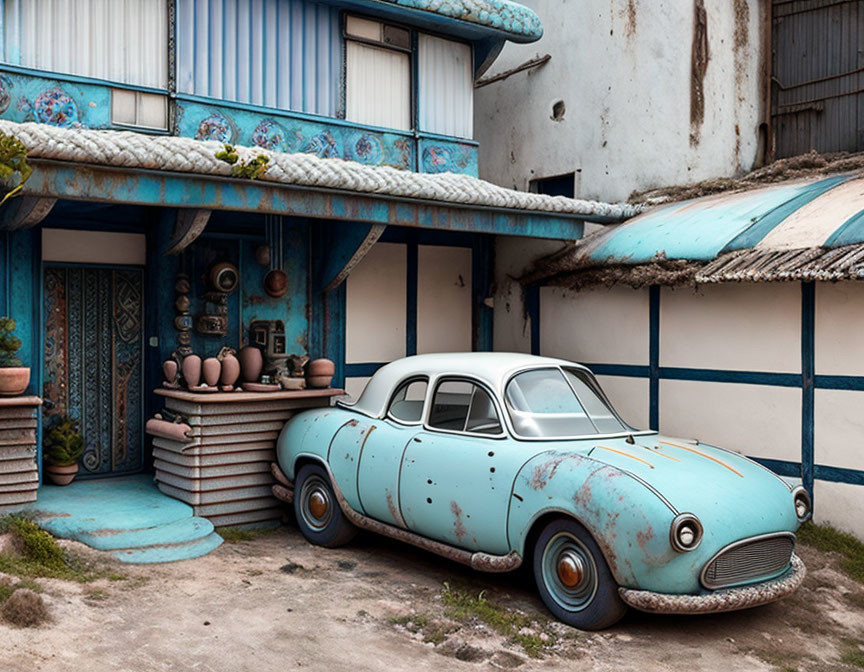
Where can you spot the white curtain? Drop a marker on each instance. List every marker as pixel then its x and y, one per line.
pixel 123 41
pixel 377 86
pixel 446 76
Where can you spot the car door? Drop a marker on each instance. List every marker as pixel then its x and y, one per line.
pixel 380 455
pixel 458 472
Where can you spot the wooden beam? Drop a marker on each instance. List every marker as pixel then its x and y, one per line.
pixel 25 212
pixel 190 224
pixel 375 232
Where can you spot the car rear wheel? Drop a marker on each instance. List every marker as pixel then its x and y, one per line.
pixel 318 514
pixel 573 579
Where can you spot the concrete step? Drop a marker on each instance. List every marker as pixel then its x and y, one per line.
pixel 169 552
pixel 187 529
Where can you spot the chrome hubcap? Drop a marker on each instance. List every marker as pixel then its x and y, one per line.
pixel 571 569
pixel 316 506
pixel 569 572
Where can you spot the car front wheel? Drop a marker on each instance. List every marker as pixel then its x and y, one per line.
pixel 573 579
pixel 318 514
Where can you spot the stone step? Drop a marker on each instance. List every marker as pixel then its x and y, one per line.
pixel 169 552
pixel 182 531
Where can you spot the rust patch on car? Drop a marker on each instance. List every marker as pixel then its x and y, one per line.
pixel 543 473
pixel 391 505
pixel 458 526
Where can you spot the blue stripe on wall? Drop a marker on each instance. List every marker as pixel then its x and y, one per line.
pixel 808 369
pixel 532 309
pixel 654 357
pixel 411 301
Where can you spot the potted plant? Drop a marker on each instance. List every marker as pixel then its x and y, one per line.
pixel 14 378
pixel 63 448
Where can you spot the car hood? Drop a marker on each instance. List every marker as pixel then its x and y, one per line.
pixel 733 496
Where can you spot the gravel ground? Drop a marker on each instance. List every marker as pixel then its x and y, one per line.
pixel 277 603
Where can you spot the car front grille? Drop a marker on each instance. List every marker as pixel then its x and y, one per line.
pixel 749 560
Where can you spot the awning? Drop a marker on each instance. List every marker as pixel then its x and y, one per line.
pixel 477 18
pixel 811 230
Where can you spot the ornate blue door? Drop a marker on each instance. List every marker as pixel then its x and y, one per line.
pixel 93 361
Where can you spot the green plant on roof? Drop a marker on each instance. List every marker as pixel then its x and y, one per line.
pixel 64 443
pixel 250 169
pixel 9 344
pixel 14 170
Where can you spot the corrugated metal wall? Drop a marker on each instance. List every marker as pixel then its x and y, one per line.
pixel 817 95
pixel 278 53
pixel 446 87
pixel 377 86
pixel 119 40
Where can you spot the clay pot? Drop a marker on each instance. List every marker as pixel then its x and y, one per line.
pixel 319 373
pixel 262 255
pixel 169 370
pixel 251 362
pixel 192 370
pixel 61 475
pixel 276 283
pixel 14 380
pixel 211 369
pixel 230 371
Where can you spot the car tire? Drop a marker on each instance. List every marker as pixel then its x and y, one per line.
pixel 317 511
pixel 573 578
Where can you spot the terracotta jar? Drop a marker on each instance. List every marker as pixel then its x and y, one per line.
pixel 251 363
pixel 14 380
pixel 61 475
pixel 212 368
pixel 230 372
pixel 170 370
pixel 319 373
pixel 192 370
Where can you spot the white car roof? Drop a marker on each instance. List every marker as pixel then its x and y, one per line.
pixel 492 368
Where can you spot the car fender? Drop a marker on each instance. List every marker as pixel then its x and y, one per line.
pixel 628 520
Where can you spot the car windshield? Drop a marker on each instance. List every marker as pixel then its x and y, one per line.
pixel 558 403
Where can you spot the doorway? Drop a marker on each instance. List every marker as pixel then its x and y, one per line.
pixel 93 361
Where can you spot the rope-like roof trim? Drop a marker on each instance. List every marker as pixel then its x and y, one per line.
pixel 125 149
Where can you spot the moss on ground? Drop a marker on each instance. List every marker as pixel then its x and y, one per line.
pixel 827 539
pixel 853 655
pixel 234 535
pixel 36 554
pixel 519 629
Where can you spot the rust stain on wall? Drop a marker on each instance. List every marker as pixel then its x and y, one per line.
pixel 630 26
pixel 698 67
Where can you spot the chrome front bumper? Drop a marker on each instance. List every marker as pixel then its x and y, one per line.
pixel 728 599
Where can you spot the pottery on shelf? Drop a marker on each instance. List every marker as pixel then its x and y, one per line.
pixel 211 370
pixel 230 372
pixel 319 373
pixel 14 380
pixel 251 362
pixel 171 372
pixel 191 370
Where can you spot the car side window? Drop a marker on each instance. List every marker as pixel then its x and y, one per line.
pixel 460 406
pixel 407 402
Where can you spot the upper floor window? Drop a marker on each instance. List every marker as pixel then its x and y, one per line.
pixel 378 79
pixel 377 73
pixel 124 41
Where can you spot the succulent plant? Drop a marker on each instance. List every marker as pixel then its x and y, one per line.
pixel 64 444
pixel 9 344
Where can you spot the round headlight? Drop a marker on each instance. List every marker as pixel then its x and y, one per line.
pixel 685 533
pixel 803 506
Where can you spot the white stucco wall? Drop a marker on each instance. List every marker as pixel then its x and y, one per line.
pixel 622 68
pixel 733 327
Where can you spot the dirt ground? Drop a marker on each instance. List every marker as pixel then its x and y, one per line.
pixel 277 603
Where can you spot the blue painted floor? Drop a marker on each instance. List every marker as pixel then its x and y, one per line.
pixel 127 517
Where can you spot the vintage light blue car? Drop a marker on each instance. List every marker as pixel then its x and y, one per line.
pixel 491 459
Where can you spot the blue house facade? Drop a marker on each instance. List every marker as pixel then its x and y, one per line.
pixel 110 256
